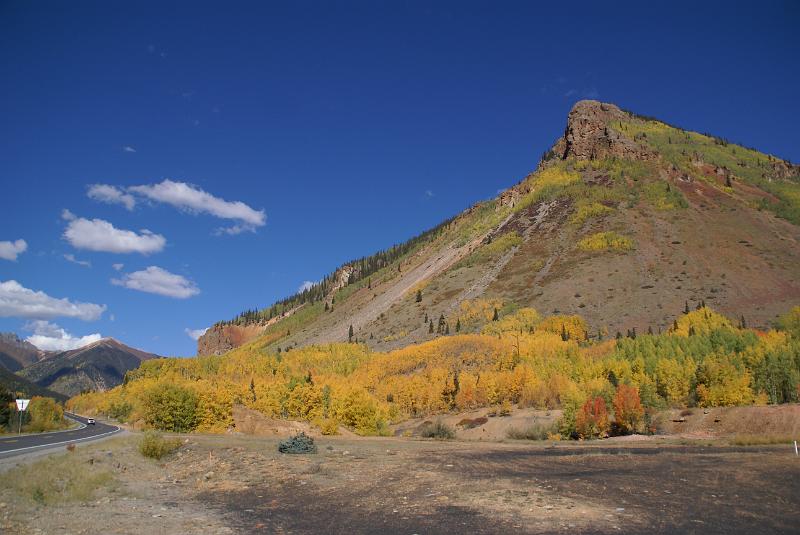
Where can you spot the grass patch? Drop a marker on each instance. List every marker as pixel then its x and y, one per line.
pixel 664 197
pixel 603 241
pixel 762 440
pixel 532 432
pixel 439 430
pixel 589 211
pixel 155 446
pixel 58 479
pixel 492 250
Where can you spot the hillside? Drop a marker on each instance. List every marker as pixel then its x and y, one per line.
pixel 16 354
pixel 14 383
pixel 626 221
pixel 95 367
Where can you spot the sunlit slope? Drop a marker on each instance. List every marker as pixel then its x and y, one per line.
pixel 625 220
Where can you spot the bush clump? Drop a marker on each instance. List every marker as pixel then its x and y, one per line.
pixel 155 446
pixel 533 432
pixel 298 444
pixel 438 430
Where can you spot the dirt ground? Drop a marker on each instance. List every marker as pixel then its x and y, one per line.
pixel 240 484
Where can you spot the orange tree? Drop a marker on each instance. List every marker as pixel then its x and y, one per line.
pixel 592 419
pixel 628 410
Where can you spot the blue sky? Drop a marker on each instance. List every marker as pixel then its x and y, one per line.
pixel 315 133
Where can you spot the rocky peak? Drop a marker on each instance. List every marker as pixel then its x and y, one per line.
pixel 588 135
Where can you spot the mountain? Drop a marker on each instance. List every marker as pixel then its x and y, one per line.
pixel 16 354
pixel 97 366
pixel 626 221
pixel 14 383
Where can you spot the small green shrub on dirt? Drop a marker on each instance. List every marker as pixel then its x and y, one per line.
pixel 155 446
pixel 439 430
pixel 298 444
pixel 533 432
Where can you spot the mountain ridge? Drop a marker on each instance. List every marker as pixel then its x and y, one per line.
pixel 618 196
pixel 100 365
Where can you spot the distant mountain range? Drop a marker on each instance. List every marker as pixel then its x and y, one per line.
pixel 97 366
pixel 16 353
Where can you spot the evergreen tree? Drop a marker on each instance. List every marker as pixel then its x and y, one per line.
pixel 619 335
pixel 446 328
pixel 742 323
pixel 426 317
pixel 350 334
pixel 252 391
pixel 564 333
pixel 496 316
pixel 650 330
pixel 458 325
pixel 430 327
pixel 686 308
pixel 419 296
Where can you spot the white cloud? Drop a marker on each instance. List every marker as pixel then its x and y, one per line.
pixel 71 258
pixel 111 195
pixel 128 148
pixel 195 334
pixel 429 193
pixel 159 281
pixel 50 337
pixel 100 235
pixel 18 301
pixel 305 286
pixel 66 215
pixel 9 250
pixel 118 267
pixel 192 199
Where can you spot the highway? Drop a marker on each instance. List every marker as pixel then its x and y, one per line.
pixel 11 445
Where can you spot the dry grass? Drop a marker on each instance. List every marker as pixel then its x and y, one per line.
pixel 58 479
pixel 763 440
pixel 532 432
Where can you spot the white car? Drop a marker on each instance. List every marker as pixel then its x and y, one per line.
pixel 90 421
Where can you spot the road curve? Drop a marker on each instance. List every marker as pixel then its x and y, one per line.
pixel 11 445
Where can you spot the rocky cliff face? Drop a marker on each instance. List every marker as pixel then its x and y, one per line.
pixel 588 137
pixel 221 338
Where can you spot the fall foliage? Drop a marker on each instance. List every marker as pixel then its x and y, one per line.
pixel 521 359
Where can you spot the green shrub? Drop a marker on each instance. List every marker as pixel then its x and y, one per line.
pixel 120 411
pixel 438 430
pixel 298 444
pixel 169 407
pixel 155 446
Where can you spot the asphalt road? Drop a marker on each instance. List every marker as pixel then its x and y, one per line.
pixel 12 445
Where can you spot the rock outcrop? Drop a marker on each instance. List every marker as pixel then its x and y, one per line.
pixel 588 135
pixel 221 338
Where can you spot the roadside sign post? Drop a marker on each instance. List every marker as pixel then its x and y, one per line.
pixel 22 405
